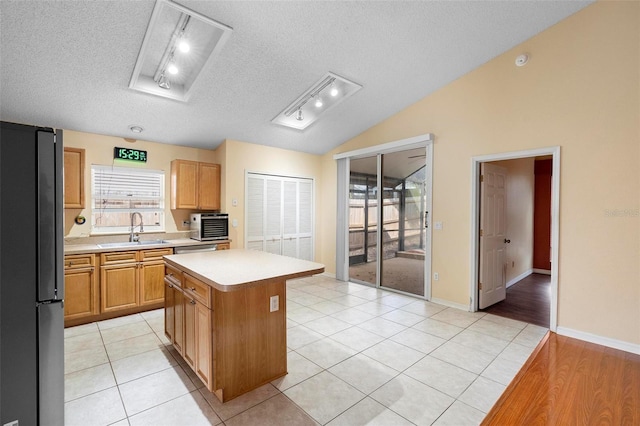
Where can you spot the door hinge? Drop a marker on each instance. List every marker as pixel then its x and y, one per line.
pixel 479 286
pixel 481 178
pixel 481 233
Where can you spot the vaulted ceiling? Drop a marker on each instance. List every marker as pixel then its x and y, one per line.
pixel 67 64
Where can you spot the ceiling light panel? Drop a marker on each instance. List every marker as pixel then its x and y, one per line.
pixel 178 46
pixel 328 92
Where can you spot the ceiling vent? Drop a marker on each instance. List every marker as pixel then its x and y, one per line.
pixel 178 45
pixel 328 92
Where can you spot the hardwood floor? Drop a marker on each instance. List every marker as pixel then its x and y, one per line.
pixel 572 382
pixel 527 300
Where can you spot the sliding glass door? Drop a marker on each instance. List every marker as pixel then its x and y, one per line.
pixel 387 220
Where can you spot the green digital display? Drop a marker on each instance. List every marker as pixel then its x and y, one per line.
pixel 130 154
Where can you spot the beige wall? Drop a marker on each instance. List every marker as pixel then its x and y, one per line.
pixel 99 150
pixel 237 157
pixel 580 91
pixel 520 186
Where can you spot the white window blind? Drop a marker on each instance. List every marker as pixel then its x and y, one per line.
pixel 117 192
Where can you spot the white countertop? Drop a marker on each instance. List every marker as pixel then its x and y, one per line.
pixel 95 248
pixel 229 270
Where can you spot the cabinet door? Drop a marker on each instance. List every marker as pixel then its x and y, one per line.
pixel 151 282
pixel 178 312
pixel 119 287
pixel 190 331
pixel 204 343
pixel 184 184
pixel 81 293
pixel 73 178
pixel 208 186
pixel 169 312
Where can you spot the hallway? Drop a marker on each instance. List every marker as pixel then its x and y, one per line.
pixel 527 300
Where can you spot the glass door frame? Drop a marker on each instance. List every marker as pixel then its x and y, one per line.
pixel 342 221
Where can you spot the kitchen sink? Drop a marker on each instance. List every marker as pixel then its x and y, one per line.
pixel 133 244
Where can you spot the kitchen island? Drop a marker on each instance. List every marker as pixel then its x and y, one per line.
pixel 225 312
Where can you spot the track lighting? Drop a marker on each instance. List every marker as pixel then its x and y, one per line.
pixel 172 68
pixel 333 91
pixel 163 82
pixel 317 100
pixel 184 47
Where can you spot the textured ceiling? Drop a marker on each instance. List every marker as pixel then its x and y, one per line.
pixel 67 64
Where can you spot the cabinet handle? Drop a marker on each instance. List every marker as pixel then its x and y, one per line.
pixel 192 288
pixel 193 302
pixel 170 285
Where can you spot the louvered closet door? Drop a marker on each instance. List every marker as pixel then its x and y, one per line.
pixel 255 213
pixel 273 216
pixel 280 215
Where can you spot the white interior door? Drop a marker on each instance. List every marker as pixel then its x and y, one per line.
pixel 493 245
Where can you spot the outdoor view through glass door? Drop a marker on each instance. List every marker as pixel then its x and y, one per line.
pixel 401 208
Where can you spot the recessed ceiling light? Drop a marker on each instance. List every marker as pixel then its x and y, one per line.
pixel 136 129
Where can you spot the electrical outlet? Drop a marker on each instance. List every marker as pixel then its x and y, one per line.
pixel 274 303
pixel 436 276
pixel 438 225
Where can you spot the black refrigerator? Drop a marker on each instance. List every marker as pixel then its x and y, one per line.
pixel 31 276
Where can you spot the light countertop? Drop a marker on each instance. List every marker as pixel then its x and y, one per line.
pixel 94 248
pixel 229 270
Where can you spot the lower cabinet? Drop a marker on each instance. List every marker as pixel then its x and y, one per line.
pixel 129 279
pixel 81 290
pixel 188 321
pixel 100 286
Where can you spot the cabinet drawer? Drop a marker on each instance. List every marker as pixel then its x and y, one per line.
pixel 197 290
pixel 76 261
pixel 155 254
pixel 118 257
pixel 173 275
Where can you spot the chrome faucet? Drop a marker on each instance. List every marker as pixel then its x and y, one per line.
pixel 135 238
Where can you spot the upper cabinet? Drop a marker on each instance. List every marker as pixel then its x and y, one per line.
pixel 74 178
pixel 195 185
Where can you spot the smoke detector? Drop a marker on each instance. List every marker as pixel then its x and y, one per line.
pixel 522 60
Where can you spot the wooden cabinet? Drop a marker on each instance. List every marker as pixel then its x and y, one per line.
pixel 188 322
pixel 74 178
pixel 129 279
pixel 81 290
pixel 195 185
pixel 174 308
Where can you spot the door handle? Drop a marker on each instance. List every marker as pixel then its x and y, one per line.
pixel 426 219
pixel 506 241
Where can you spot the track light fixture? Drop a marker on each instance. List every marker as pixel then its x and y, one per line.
pixel 328 92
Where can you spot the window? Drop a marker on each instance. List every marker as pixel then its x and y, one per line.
pixel 117 192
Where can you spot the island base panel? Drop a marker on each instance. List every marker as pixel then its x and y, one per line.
pixel 250 341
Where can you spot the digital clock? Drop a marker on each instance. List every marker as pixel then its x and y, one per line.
pixel 130 154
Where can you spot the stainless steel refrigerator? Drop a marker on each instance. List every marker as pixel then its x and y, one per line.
pixel 31 276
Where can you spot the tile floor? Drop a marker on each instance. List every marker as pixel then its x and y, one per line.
pixel 357 356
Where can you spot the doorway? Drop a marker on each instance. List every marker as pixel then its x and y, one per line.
pixel 515 265
pixel 383 218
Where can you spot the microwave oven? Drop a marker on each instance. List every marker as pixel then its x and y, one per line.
pixel 209 226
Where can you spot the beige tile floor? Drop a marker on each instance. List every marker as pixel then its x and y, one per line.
pixel 357 356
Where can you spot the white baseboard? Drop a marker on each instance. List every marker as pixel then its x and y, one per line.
pixel 522 276
pixel 599 340
pixel 450 304
pixel 541 271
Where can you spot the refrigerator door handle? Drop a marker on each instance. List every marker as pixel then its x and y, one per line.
pixel 46 216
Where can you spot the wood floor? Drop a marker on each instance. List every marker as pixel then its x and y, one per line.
pixel 527 300
pixel 572 382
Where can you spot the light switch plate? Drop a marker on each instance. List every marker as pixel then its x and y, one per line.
pixel 274 303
